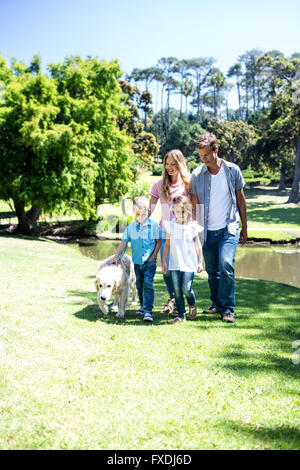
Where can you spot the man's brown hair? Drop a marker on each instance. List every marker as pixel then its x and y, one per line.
pixel 207 139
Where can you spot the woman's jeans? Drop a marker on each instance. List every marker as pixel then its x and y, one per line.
pixel 144 274
pixel 182 282
pixel 219 253
pixel 167 277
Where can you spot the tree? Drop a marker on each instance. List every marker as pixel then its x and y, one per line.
pixel 235 137
pixel 144 143
pixel 284 86
pixel 59 139
pixel 200 70
pixel 236 71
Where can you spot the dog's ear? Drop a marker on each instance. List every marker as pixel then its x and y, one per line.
pixel 117 281
pixel 96 282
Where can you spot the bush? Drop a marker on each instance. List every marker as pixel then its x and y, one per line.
pixel 139 189
pixel 157 170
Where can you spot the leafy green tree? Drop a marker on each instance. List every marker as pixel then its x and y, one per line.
pixel 59 139
pixel 284 116
pixel 144 143
pixel 183 135
pixel 235 137
pixel 200 69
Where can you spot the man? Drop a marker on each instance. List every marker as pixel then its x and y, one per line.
pixel 218 186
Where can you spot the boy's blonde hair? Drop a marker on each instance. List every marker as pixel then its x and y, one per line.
pixel 141 202
pixel 207 139
pixel 186 204
pixel 183 170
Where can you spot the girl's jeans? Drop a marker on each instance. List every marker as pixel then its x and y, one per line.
pixel 167 277
pixel 219 252
pixel 182 282
pixel 144 274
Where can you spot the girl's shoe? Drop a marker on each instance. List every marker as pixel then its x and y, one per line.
pixel 175 313
pixel 169 305
pixel 176 320
pixel 192 312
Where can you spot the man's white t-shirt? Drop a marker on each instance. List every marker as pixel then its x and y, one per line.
pixel 183 255
pixel 219 201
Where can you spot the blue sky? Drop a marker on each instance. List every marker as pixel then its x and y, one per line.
pixel 139 32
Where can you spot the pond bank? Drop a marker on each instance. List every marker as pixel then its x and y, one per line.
pixel 69 231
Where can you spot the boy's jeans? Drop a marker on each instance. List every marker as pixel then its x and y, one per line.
pixel 144 274
pixel 219 252
pixel 182 282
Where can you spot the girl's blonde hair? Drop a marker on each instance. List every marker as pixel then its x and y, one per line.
pixel 183 170
pixel 186 203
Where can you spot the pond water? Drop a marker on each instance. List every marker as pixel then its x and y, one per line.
pixel 275 263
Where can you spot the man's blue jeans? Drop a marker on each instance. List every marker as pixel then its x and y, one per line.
pixel 182 282
pixel 219 253
pixel 167 277
pixel 144 274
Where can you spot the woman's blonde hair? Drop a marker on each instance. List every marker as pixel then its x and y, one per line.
pixel 186 203
pixel 183 170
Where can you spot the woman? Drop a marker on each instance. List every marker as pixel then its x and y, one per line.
pixel 175 182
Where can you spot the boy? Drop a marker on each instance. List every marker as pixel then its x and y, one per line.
pixel 145 237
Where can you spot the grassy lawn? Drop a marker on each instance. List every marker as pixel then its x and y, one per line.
pixel 269 215
pixel 73 380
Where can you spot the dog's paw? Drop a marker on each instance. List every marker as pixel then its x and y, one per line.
pixel 120 315
pixel 134 302
pixel 114 308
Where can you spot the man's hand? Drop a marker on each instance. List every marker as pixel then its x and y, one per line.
pixel 152 258
pixel 243 235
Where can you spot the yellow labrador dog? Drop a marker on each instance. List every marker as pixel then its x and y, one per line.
pixel 113 284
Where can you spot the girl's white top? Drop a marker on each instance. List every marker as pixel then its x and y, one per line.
pixel 183 255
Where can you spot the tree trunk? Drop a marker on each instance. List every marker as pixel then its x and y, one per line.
pixel 295 191
pixel 27 222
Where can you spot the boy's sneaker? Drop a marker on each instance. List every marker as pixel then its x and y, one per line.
pixel 140 311
pixel 148 317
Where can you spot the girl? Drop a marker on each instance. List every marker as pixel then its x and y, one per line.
pixel 183 244
pixel 175 182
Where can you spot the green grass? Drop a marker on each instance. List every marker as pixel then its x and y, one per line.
pixel 270 216
pixel 73 380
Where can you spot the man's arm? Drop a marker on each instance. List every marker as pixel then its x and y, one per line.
pixel 242 207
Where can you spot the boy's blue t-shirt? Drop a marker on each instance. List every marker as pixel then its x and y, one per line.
pixel 143 239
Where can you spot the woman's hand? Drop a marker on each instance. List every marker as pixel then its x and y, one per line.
pixel 164 268
pixel 199 268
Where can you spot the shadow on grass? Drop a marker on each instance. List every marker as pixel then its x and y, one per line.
pixel 281 437
pixel 92 313
pixel 274 215
pixel 253 193
pixel 22 237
